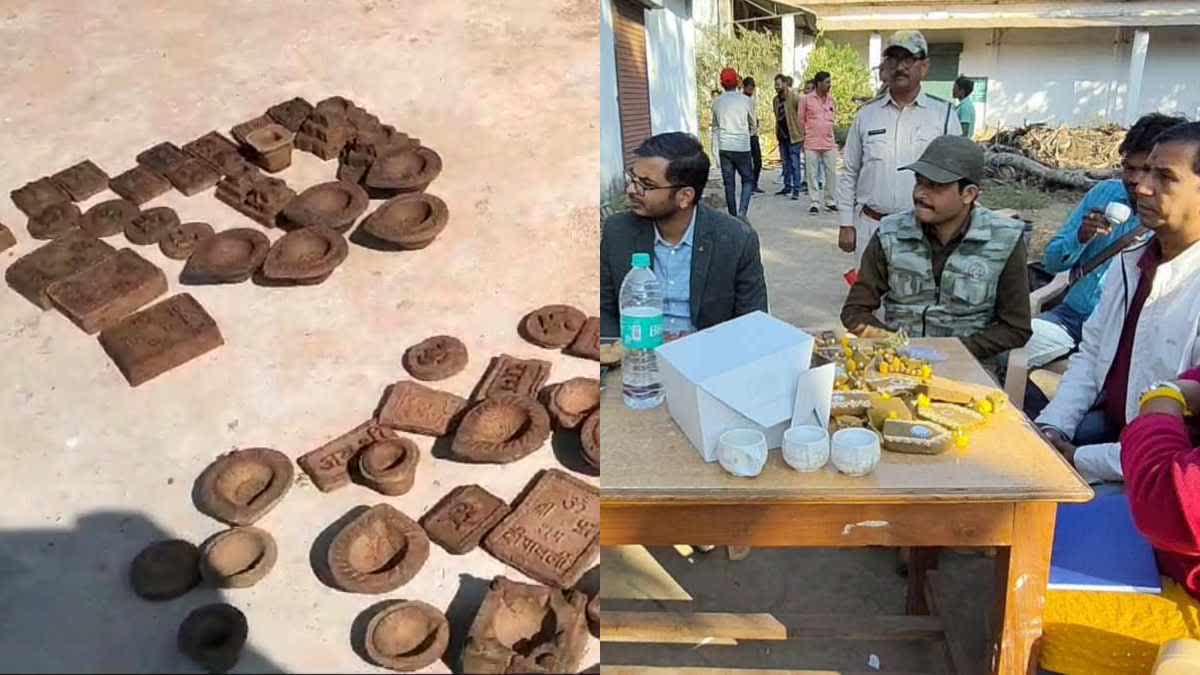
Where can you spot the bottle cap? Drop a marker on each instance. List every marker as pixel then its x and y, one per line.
pixel 641 260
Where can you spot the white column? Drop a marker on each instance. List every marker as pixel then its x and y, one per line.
pixel 875 56
pixel 1137 65
pixel 804 46
pixel 788 32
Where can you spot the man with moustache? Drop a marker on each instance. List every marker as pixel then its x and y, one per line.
pixel 708 263
pixel 1144 331
pixel 947 267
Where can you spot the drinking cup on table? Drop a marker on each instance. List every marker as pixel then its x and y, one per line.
pixel 806 447
pixel 855 451
pixel 1117 213
pixel 742 452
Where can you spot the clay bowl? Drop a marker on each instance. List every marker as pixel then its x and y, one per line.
pixel 407 635
pixel 178 242
pixel 151 225
pixel 408 221
pixel 109 217
pixel 165 570
pixel 377 552
pixel 238 558
pixel 336 205
pixel 502 429
pixel 268 138
pixel 402 169
pixel 240 487
pixel 589 436
pixel 526 628
pixel 228 257
pixel 305 256
pixel 54 221
pixel 213 636
pixel 572 401
pixel 390 466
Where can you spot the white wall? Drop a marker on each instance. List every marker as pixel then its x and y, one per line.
pixel 671 62
pixel 612 161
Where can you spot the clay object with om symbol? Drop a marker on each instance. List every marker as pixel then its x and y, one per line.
pixel 436 358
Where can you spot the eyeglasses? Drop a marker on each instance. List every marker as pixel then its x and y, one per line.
pixel 640 187
pixel 907 60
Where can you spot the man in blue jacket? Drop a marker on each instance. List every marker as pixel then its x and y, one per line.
pixel 1086 233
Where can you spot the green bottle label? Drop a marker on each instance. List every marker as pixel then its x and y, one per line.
pixel 641 332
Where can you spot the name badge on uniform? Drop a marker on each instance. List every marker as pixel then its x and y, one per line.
pixel 876 132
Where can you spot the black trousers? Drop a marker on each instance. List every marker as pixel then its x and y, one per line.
pixel 756 158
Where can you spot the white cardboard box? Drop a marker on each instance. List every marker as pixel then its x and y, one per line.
pixel 739 374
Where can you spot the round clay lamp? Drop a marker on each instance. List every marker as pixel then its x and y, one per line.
pixel 213 636
pixel 178 242
pixel 407 635
pixel 108 218
pixel 305 256
pixel 589 437
pixel 502 429
pixel 408 221
pixel 377 552
pixel 228 257
pixel 240 487
pixel 572 401
pixel 336 205
pixel 402 169
pixel 238 558
pixel 389 466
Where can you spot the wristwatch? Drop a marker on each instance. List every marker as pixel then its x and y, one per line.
pixel 1165 389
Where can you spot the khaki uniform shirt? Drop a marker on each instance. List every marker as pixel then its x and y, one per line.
pixel 883 138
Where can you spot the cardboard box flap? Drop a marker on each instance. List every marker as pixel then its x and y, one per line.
pixel 729 345
pixel 763 391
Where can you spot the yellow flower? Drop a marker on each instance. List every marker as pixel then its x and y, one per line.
pixel 985 407
pixel 922 401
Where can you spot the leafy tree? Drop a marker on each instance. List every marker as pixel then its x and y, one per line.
pixel 751 53
pixel 850 74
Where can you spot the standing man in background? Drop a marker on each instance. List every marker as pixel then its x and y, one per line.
pixel 783 134
pixel 889 131
pixel 817 111
pixel 963 88
pixel 755 146
pixel 733 116
pixel 796 133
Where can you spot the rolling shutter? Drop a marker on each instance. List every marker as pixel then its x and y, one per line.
pixel 633 86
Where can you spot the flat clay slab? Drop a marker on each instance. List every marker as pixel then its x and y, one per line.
pixel 419 409
pixel 191 176
pixel 32 273
pixel 510 375
pixel 501 429
pixel 228 257
pixel 109 217
pixel 106 292
pixel 523 628
pixel 151 225
pixel 36 195
pixel 161 158
pixel 336 205
pixel 54 221
pixel 460 519
pixel 407 635
pixel 165 570
pixel 435 358
pixel 220 152
pixel 552 326
pixel 409 222
pixel 377 552
pixel 587 343
pixel 7 240
pixel 553 534
pixel 139 185
pixel 163 336
pixel 81 181
pixel 291 114
pixel 213 636
pixel 179 241
pixel 242 486
pixel 329 465
pixel 305 256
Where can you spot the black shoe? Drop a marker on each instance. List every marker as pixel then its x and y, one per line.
pixel 758 191
pixel 813 209
pixel 795 196
pixel 784 191
pixel 831 207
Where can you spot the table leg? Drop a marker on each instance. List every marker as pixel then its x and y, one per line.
pixel 921 559
pixel 1021 575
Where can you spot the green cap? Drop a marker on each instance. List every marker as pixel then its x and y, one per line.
pixel 949 159
pixel 910 41
pixel 641 259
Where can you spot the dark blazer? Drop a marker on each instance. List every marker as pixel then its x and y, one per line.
pixel 727 272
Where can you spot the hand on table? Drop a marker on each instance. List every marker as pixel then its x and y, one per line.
pixel 1094 224
pixel 864 330
pixel 847 239
pixel 1060 442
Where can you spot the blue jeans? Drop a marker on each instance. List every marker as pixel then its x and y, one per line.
pixel 796 158
pixel 785 156
pixel 743 165
pixel 1095 427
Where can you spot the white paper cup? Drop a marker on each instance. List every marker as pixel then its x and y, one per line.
pixel 742 452
pixel 855 451
pixel 805 447
pixel 1117 213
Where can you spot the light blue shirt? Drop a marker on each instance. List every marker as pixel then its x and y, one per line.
pixel 673 267
pixel 1065 252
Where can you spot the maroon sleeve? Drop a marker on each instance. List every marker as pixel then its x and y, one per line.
pixel 1162 481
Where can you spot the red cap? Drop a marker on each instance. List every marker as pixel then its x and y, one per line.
pixel 729 77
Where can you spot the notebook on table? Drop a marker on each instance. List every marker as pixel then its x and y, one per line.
pixel 1098 548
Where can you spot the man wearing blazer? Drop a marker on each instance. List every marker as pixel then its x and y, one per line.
pixel 707 262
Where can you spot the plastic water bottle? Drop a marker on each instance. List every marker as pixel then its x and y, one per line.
pixel 641 332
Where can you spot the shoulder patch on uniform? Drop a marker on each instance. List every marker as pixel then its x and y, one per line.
pixel 876 132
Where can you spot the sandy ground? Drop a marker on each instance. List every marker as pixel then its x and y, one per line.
pixel 95 470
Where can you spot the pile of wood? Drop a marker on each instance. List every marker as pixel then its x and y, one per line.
pixel 1071 157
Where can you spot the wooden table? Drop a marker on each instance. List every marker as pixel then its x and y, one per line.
pixel 1000 491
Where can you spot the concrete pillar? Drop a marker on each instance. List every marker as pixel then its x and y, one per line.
pixel 875 56
pixel 804 46
pixel 1137 65
pixel 788 32
pixel 725 15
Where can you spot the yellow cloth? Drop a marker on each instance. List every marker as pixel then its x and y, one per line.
pixel 1103 633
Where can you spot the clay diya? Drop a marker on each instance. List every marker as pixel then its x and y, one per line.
pixel 390 466
pixel 502 429
pixel 242 486
pixel 54 221
pixel 306 256
pixel 572 401
pixel 552 326
pixel 228 257
pixel 336 205
pixel 238 558
pixel 402 169
pixel 108 218
pixel 524 628
pixel 271 147
pixel 407 635
pixel 151 225
pixel 408 221
pixel 165 570
pixel 589 437
pixel 178 242
pixel 213 636
pixel 377 552
pixel 435 358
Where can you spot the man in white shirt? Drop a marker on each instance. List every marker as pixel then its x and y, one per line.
pixel 733 117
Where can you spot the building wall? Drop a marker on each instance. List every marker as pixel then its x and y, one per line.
pixel 612 164
pixel 1075 76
